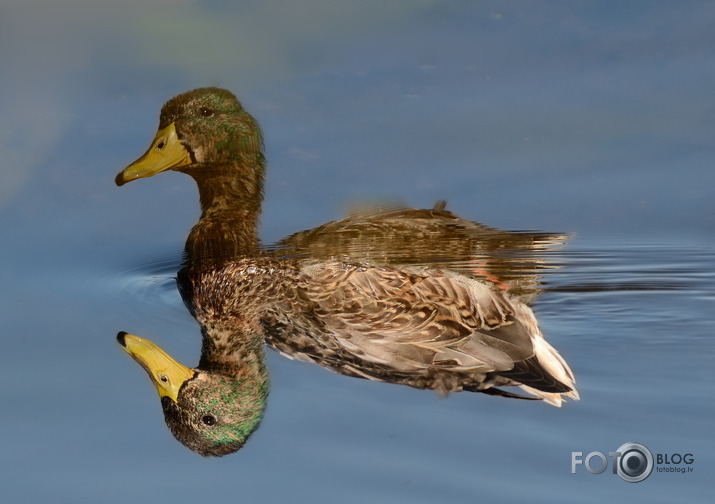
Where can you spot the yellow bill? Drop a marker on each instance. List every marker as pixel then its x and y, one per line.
pixel 167 374
pixel 166 152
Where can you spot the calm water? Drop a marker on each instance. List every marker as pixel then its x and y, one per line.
pixel 587 119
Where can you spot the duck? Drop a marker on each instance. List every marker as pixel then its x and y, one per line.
pixel 207 134
pixel 385 314
pixel 428 329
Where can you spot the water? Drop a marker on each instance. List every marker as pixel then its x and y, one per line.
pixel 588 119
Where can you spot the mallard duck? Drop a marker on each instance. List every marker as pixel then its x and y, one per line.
pixel 428 329
pixel 411 324
pixel 207 134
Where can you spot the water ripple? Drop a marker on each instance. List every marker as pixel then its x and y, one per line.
pixel 150 282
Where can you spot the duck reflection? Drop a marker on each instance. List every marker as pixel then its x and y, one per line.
pixel 402 295
pixel 213 408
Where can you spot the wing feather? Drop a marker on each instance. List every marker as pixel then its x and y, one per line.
pixel 415 321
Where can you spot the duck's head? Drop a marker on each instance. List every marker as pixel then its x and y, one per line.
pixel 210 412
pixel 201 131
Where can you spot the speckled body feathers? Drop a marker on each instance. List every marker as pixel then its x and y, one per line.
pixel 424 328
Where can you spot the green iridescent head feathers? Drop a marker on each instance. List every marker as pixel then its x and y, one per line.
pixel 202 130
pixel 213 124
pixel 216 414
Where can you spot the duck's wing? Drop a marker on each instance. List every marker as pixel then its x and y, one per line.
pixel 431 323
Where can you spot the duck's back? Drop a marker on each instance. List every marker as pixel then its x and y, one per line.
pixel 428 329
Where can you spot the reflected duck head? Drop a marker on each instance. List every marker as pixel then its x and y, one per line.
pixel 201 132
pixel 211 412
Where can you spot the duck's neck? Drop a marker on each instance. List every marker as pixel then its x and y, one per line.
pixel 238 362
pixel 230 189
pixel 230 209
pixel 234 353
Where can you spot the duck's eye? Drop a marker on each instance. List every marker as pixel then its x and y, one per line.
pixel 208 420
pixel 206 112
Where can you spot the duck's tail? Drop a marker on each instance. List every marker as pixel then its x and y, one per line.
pixel 556 366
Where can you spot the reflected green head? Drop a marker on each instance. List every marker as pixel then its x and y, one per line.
pixel 215 414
